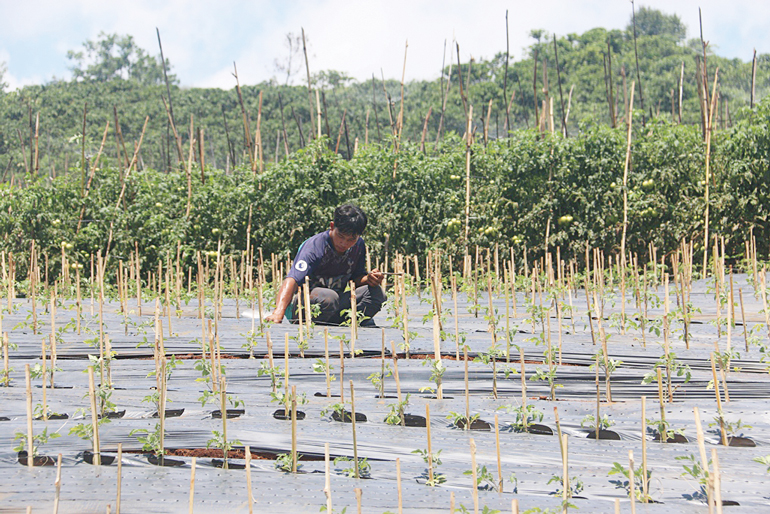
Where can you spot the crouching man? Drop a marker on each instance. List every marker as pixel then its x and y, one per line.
pixel 330 260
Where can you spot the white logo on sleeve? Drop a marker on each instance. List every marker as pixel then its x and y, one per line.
pixel 301 265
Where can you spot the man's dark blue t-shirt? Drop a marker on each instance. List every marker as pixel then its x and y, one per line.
pixel 319 261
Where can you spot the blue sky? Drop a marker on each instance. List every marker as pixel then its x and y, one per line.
pixel 359 37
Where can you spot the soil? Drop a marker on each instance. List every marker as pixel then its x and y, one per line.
pixel 360 417
pixel 607 435
pixel 231 413
pixel 476 424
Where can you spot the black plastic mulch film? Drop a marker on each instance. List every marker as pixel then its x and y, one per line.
pixel 532 458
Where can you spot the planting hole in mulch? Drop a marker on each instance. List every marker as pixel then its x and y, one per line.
pixel 538 429
pixel 741 442
pixel 436 397
pixel 162 460
pixel 104 460
pixel 730 503
pixel 53 417
pixel 231 413
pixel 114 415
pixel 607 435
pixel 54 387
pixel 323 395
pixel 37 460
pixel 360 417
pixel 676 438
pixel 412 420
pixel 170 413
pixel 3 418
pixel 281 414
pixel 220 463
pixel 476 424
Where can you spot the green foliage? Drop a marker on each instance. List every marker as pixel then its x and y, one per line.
pixel 151 441
pixel 113 56
pixel 526 415
pixel 590 420
pixel 283 462
pixel 396 411
pixel 618 469
pixel 764 461
pixel 364 468
pixel 38 440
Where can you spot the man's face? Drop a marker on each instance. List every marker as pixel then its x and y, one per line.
pixel 340 240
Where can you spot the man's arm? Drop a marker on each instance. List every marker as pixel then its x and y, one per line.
pixel 285 294
pixel 373 278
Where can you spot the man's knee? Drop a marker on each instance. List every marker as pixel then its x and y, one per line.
pixel 377 294
pixel 327 299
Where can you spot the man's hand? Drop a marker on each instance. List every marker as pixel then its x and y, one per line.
pixel 374 278
pixel 275 317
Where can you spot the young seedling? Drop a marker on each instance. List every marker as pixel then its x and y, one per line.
pixel 437 371
pixel 639 486
pixel 364 468
pixel 663 429
pixel 284 462
pixel 396 413
pixel 38 440
pixel 151 441
pixel 485 480
pixel 489 358
pixel 696 471
pixel 732 429
pixel 377 379
pixel 526 416
pixel 575 487
pixel 765 461
pixel 590 420
pixel 461 419
pixel 433 460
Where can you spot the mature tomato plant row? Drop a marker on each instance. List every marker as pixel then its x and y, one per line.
pixel 521 188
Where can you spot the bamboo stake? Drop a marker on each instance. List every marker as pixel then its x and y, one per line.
pixel 248 480
pixel 398 485
pixel 723 435
pixel 326 357
pixel 353 424
pixel 644 450
pixel 358 498
pixel 467 396
pixel 94 416
pixel 293 429
pixel 499 462
pixel 398 383
pixel 565 472
pixel 192 485
pixel 717 480
pixel 625 180
pixel 30 434
pixel 57 485
pixel 342 373
pixel 474 483
pixel 120 477
pixel 631 484
pixel 430 448
pixel 702 450
pixel 743 320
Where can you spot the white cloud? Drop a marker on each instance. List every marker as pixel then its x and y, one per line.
pixel 202 39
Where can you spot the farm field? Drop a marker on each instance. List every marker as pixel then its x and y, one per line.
pixel 530 337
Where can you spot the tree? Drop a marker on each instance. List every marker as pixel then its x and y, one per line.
pixel 3 71
pixel 113 56
pixel 652 22
pixel 291 63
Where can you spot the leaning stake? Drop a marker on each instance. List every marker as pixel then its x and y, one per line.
pixel 353 423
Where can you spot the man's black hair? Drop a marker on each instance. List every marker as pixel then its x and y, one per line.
pixel 350 219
